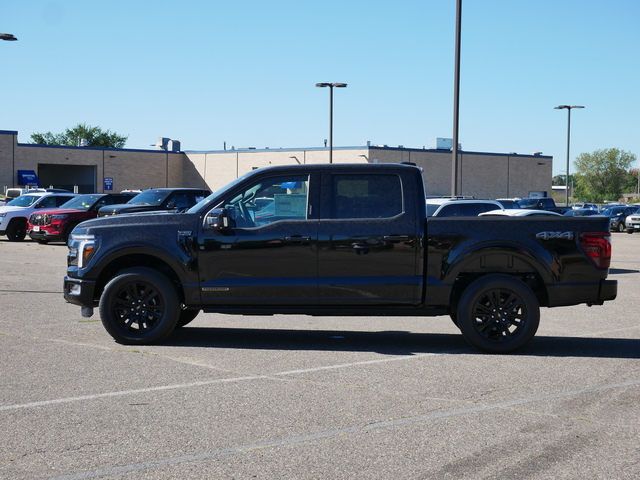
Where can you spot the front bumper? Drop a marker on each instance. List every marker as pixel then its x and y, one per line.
pixel 44 235
pixel 80 292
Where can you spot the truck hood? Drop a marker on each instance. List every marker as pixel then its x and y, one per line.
pixel 152 220
pixel 128 208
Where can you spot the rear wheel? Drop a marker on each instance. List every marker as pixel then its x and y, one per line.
pixel 17 230
pixel 498 314
pixel 139 306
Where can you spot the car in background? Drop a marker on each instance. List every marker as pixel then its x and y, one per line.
pixel 618 214
pixel 508 202
pixel 581 212
pixel 54 225
pixel 158 199
pixel 632 222
pixel 520 212
pixel 452 207
pixel 15 214
pixel 583 205
pixel 542 203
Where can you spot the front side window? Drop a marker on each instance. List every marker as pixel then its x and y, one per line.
pixel 269 200
pixel 366 196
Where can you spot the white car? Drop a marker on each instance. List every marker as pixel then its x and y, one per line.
pixel 520 212
pixel 632 222
pixel 14 215
pixel 454 207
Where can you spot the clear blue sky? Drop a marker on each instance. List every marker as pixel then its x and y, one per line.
pixel 244 72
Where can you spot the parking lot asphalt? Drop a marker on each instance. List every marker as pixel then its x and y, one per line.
pixel 231 397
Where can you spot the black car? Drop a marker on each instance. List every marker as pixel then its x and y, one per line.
pixel 158 199
pixel 617 215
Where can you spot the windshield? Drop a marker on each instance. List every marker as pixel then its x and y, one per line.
pixel 23 201
pixel 150 197
pixel 528 202
pixel 613 210
pixel 83 202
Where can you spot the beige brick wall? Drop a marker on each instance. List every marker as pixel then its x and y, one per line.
pixel 481 175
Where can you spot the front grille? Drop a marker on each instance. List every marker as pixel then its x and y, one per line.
pixel 40 219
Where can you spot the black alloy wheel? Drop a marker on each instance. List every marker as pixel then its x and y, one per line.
pixel 139 306
pixel 498 314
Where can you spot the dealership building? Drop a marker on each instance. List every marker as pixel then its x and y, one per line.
pixel 89 169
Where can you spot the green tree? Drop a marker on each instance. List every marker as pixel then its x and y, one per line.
pixel 603 174
pixel 71 137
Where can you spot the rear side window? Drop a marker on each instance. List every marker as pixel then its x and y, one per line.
pixel 366 196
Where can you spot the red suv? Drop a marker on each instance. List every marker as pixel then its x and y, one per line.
pixel 53 225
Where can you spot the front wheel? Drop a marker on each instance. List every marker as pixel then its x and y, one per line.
pixel 139 306
pixel 17 230
pixel 498 314
pixel 621 227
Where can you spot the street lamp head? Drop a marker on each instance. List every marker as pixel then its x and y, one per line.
pixel 568 107
pixel 8 37
pixel 339 85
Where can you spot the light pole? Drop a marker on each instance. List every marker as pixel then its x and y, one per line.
pixel 331 85
pixel 568 108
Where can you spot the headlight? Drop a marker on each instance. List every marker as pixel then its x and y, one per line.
pixel 81 249
pixel 3 215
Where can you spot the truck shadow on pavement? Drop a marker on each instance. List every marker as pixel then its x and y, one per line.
pixel 391 342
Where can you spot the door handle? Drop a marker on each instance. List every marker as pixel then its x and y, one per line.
pixel 396 238
pixel 297 239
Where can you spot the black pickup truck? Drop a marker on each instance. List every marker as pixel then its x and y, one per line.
pixel 347 240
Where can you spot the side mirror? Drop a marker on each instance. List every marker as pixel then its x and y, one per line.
pixel 218 219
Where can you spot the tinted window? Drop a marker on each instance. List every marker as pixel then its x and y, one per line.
pixel 365 196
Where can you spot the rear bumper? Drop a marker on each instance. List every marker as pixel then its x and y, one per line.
pixel 575 294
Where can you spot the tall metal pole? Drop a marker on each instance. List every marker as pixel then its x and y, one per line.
pixel 568 156
pixel 456 102
pixel 568 109
pixel 331 85
pixel 331 124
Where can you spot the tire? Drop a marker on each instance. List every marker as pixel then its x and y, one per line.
pixel 67 232
pixel 186 316
pixel 620 227
pixel 139 306
pixel 17 230
pixel 629 230
pixel 498 314
pixel 42 241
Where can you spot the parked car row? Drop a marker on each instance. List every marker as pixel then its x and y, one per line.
pixel 448 207
pixel 48 217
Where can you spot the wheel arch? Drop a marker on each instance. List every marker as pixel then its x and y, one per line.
pixel 512 262
pixel 132 259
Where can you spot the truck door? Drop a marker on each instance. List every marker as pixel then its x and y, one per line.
pixel 268 253
pixel 367 241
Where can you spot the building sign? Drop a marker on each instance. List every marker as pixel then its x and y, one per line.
pixel 28 177
pixel 108 183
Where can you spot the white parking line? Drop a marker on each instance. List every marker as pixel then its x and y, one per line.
pixel 119 393
pixel 226 452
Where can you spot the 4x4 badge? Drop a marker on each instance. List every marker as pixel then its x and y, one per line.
pixel 550 235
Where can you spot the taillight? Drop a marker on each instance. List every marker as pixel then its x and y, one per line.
pixel 597 246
